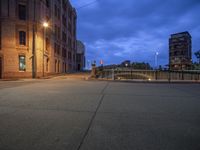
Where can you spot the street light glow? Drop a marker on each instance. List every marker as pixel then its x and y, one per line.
pixel 45 24
pixel 156 60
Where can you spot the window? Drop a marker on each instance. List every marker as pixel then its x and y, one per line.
pixel 22 63
pixel 64 54
pixel 47 3
pixel 47 44
pixel 56 31
pixel 22 12
pixel 69 27
pixel 55 65
pixel 70 42
pixel 47 65
pixel 55 11
pixel 59 14
pixel 64 37
pixel 55 48
pixel 59 33
pixel 59 66
pixel 64 5
pixel 70 14
pixel 58 49
pixel 22 38
pixel 64 20
pixel 0 34
pixel 69 56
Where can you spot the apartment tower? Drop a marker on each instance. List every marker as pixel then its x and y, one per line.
pixel 180 51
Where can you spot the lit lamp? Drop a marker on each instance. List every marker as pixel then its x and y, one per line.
pixel 45 25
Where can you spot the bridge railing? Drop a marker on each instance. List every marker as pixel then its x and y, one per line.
pixel 128 74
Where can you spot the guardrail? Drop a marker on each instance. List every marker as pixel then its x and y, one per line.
pixel 128 74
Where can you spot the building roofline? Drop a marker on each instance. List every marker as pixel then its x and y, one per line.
pixel 185 32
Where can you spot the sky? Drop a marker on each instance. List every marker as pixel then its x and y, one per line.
pixel 116 30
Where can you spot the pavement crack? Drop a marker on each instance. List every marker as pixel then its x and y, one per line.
pixel 93 117
pixel 103 90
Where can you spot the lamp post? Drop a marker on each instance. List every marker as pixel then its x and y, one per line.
pixel 45 25
pixel 156 60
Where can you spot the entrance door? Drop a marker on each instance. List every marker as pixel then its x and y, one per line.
pixel 1 68
pixel 79 67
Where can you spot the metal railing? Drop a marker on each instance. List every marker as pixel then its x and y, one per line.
pixel 131 74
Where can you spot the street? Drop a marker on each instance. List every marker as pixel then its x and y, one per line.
pixel 74 114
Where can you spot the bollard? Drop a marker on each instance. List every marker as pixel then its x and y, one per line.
pixel 94 71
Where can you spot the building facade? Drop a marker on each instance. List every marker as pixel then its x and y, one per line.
pixel 37 38
pixel 80 56
pixel 180 51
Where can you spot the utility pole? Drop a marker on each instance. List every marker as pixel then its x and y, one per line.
pixel 33 43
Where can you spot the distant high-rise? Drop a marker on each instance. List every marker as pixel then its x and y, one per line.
pixel 180 51
pixel 80 55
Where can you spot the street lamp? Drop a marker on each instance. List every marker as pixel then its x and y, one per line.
pixel 45 25
pixel 156 60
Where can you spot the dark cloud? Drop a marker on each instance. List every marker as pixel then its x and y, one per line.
pixel 115 30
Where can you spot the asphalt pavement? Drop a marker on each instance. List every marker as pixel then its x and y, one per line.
pixel 73 114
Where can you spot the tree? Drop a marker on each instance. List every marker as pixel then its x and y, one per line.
pixel 141 65
pixel 197 54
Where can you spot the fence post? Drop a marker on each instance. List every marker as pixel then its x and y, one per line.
pixel 156 75
pixel 169 76
pixel 113 74
pixel 131 74
pixel 182 75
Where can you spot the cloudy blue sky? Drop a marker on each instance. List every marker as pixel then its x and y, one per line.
pixel 116 30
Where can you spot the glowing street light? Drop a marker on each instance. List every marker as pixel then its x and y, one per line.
pixel 156 60
pixel 45 25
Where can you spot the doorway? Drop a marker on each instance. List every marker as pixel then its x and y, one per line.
pixel 1 68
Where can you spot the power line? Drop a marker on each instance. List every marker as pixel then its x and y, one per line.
pixel 88 4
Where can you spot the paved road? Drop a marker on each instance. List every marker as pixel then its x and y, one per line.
pixel 72 114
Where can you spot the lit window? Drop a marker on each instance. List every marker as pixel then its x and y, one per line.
pixel 22 63
pixel 22 38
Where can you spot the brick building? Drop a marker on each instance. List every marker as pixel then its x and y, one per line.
pixel 37 38
pixel 180 51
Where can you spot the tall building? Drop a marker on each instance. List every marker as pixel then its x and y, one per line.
pixel 180 51
pixel 80 55
pixel 37 38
